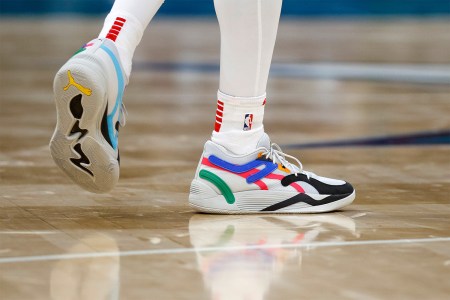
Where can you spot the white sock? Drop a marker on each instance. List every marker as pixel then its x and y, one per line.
pixel 125 25
pixel 248 31
pixel 239 122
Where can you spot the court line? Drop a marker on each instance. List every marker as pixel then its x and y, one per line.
pixel 214 249
pixel 424 138
pixel 28 232
pixel 409 73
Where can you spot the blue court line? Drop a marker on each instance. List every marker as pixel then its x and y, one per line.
pixel 405 73
pixel 441 137
pixel 176 67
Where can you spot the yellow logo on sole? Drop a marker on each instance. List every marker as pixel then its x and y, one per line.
pixel 81 88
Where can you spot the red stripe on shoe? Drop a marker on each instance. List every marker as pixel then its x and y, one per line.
pixel 274 176
pixel 259 183
pixel 280 177
pixel 297 187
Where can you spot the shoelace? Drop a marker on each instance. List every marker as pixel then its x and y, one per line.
pixel 122 115
pixel 278 156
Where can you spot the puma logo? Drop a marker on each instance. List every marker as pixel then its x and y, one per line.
pixel 81 88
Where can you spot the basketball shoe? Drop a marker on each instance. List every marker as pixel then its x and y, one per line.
pixel 263 181
pixel 88 93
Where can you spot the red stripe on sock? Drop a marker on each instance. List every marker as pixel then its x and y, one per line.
pixel 120 24
pixel 115 29
pixel 219 116
pixel 264 103
pixel 112 37
pixel 217 127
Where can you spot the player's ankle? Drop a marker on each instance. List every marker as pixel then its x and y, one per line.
pixel 239 122
pixel 126 32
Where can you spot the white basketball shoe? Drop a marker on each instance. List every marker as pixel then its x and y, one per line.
pixel 262 182
pixel 88 93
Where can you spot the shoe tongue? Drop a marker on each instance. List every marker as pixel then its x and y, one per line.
pixel 264 142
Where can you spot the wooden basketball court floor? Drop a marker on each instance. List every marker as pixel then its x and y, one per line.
pixel 143 241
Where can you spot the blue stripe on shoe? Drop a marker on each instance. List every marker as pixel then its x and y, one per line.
pixel 269 167
pixel 120 88
pixel 235 168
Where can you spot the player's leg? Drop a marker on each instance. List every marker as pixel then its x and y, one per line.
pixel 125 25
pixel 240 171
pixel 88 93
pixel 248 31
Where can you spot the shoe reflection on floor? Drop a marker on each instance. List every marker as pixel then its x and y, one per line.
pixel 88 278
pixel 235 256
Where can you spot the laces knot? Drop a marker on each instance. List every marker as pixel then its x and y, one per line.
pixel 278 156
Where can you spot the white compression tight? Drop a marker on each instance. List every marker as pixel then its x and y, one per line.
pixel 248 31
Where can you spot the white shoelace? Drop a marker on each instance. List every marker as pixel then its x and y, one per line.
pixel 122 115
pixel 278 156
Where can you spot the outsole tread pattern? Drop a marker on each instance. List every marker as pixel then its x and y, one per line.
pixel 78 146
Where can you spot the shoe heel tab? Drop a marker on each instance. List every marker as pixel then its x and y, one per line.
pixel 113 48
pixel 211 147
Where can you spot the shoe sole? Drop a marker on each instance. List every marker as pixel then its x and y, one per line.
pixel 204 199
pixel 78 146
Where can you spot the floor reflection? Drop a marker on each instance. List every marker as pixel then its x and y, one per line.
pixel 238 268
pixel 88 278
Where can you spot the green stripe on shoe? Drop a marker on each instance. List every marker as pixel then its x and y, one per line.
pixel 220 184
pixel 79 50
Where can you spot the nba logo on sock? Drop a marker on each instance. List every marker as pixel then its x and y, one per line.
pixel 248 121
